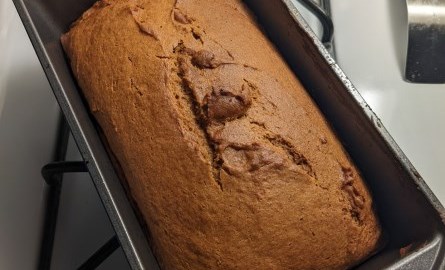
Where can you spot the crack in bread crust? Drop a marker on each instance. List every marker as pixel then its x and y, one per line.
pixel 200 119
pixel 228 158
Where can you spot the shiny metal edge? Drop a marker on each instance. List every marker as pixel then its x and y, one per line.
pixel 367 109
pixel 425 56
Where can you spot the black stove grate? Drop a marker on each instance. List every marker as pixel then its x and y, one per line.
pixel 53 175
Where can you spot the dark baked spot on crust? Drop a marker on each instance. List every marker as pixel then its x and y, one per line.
pixel 180 17
pixel 103 3
pixel 262 125
pixel 298 158
pixel 197 35
pixel 143 25
pixel 356 200
pixel 224 105
pixel 323 139
pixel 205 59
pixel 239 159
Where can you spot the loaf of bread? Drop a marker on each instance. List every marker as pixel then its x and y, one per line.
pixel 229 160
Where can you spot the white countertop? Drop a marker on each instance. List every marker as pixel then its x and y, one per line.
pixel 369 47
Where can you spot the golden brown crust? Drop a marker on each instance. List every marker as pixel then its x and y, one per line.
pixel 228 158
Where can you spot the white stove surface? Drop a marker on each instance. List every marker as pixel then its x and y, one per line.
pixel 370 47
pixel 28 114
pixel 370 41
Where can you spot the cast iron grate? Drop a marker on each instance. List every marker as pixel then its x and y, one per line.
pixel 53 175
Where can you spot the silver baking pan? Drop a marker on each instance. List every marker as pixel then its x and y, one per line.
pixel 411 215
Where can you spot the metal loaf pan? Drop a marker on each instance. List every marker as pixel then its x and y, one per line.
pixel 409 212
